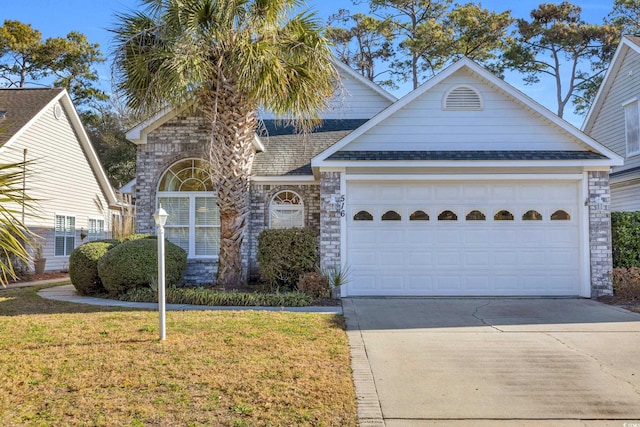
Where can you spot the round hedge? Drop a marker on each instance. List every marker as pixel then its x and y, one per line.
pixel 134 263
pixel 83 266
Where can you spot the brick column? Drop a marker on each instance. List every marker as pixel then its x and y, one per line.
pixel 600 234
pixel 329 221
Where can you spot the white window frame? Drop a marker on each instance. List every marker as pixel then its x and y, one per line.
pixel 97 232
pixel 192 226
pixel 285 207
pixel 69 232
pixel 191 196
pixel 632 127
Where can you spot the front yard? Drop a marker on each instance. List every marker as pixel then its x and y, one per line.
pixel 72 364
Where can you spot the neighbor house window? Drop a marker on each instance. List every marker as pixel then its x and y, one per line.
pixel 286 210
pixel 96 229
pixel 632 127
pixel 65 235
pixel 186 192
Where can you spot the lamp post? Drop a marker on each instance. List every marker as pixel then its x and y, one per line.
pixel 160 217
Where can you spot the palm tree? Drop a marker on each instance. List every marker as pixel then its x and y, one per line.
pixel 14 235
pixel 229 58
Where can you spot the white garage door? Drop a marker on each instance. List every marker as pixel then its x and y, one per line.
pixel 463 238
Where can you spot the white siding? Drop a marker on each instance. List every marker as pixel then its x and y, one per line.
pixel 60 178
pixel 502 124
pixel 354 100
pixel 625 196
pixel 609 124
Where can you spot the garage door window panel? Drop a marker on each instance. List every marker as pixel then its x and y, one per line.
pixel 447 216
pixel 391 216
pixel 503 215
pixel 475 215
pixel 532 215
pixel 363 216
pixel 419 216
pixel 560 215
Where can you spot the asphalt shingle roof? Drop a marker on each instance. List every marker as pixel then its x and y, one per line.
pixel 21 105
pixel 288 153
pixel 464 155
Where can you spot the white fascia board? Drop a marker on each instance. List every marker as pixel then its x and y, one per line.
pixel 138 134
pixel 284 180
pixel 609 77
pixel 92 157
pixel 466 177
pixel 337 164
pixel 493 80
pixel 357 76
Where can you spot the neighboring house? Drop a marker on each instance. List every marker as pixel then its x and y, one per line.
pixel 463 187
pixel 614 120
pixel 65 177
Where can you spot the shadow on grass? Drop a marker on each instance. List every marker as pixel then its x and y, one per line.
pixel 24 301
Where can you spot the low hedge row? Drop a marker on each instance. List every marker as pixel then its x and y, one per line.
pixel 204 296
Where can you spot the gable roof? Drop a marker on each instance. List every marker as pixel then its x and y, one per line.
pixel 20 106
pixel 518 97
pixel 138 134
pixel 627 44
pixel 24 106
pixel 289 153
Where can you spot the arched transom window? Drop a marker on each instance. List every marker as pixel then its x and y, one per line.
pixel 187 193
pixel 286 210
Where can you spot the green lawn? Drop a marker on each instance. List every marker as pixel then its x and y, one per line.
pixel 74 364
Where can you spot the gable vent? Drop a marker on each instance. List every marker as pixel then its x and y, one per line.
pixel 462 98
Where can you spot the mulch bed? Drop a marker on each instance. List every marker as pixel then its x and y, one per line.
pixel 631 305
pixel 38 277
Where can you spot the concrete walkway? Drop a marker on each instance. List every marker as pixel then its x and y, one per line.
pixel 494 362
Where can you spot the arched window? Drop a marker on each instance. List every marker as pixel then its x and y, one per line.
pixel 476 216
pixel 503 216
pixel 419 216
pixel 391 216
pixel 532 216
pixel 447 216
pixel 560 215
pixel 186 192
pixel 286 210
pixel 363 216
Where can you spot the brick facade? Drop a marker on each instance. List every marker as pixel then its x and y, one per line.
pixel 330 221
pixel 601 261
pixel 180 138
pixel 261 196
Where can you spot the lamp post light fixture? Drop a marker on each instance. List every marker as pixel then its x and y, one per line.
pixel 160 217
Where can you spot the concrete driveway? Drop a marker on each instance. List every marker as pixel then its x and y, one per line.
pixel 494 362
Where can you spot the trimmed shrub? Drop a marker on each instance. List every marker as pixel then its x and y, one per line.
pixel 625 236
pixel 83 266
pixel 137 237
pixel 286 254
pixel 626 283
pixel 134 263
pixel 314 284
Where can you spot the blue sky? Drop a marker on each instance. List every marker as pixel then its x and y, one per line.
pixel 55 18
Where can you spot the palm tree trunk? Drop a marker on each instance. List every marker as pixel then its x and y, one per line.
pixel 231 155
